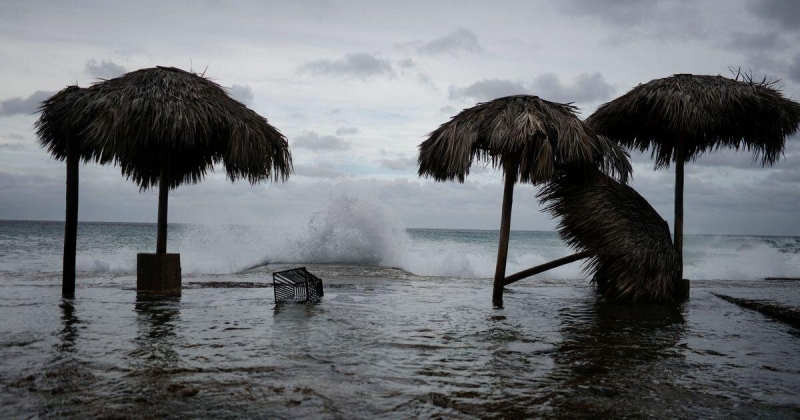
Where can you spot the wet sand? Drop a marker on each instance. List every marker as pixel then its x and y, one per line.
pixel 391 345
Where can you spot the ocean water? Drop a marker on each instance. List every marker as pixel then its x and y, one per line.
pixel 355 232
pixel 406 327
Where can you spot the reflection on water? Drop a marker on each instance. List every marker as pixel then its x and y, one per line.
pixel 599 337
pixel 156 316
pixel 400 348
pixel 70 321
pixel 611 352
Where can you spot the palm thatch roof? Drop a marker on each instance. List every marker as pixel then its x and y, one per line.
pixel 633 258
pixel 705 112
pixel 58 124
pixel 144 116
pixel 537 135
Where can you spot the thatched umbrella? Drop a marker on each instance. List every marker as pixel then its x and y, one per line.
pixel 165 126
pixel 628 243
pixel 59 133
pixel 529 138
pixel 684 116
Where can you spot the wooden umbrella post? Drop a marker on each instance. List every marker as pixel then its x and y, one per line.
pixel 682 285
pixel 163 200
pixel 505 230
pixel 71 221
pixel 678 225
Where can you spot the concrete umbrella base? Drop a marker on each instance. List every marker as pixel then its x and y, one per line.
pixel 158 272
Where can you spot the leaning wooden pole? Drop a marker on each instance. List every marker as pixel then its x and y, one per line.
pixel 505 230
pixel 678 225
pixel 546 266
pixel 163 199
pixel 71 221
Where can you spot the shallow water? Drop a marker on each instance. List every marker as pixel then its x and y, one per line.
pixel 387 343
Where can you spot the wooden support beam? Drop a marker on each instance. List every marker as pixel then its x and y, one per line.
pixel 544 267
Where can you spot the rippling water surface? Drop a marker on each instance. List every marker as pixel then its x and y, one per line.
pixel 387 343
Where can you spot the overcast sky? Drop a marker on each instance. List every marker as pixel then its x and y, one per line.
pixel 356 86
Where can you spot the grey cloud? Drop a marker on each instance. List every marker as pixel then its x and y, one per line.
pixel 313 141
pixel 632 19
pixel 789 176
pixel 104 69
pixel 587 88
pixel 406 63
pixel 22 106
pixel 486 89
pixel 754 41
pixel 620 12
pixel 425 80
pixel 318 171
pixel 14 136
pixel 785 12
pixel 459 40
pixel 360 65
pixel 449 110
pixel 398 164
pixel 345 131
pixel 242 93
pixel 728 159
pixel 12 146
pixel 794 68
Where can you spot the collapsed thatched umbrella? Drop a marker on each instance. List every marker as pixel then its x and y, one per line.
pixel 683 116
pixel 165 126
pixel 628 243
pixel 529 138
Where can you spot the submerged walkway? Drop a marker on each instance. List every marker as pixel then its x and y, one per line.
pixel 401 345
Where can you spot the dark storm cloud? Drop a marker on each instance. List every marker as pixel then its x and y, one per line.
pixel 104 69
pixel 784 12
pixel 486 89
pixel 794 68
pixel 23 106
pixel 586 88
pixel 313 141
pixel 242 93
pixel 347 131
pixel 360 65
pixel 318 171
pixel 459 40
pixel 398 164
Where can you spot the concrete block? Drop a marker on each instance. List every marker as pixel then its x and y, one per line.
pixel 158 272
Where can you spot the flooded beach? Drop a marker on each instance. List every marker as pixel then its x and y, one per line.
pixel 419 340
pixel 386 343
